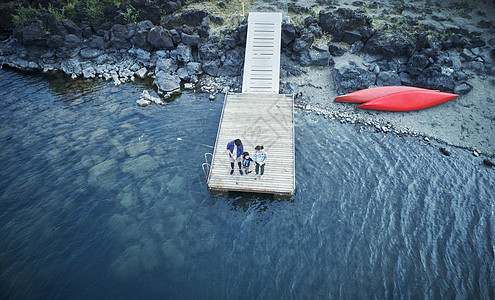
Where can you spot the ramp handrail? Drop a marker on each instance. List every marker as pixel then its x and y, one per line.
pixel 207 165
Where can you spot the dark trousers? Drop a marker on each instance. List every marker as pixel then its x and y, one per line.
pixel 258 167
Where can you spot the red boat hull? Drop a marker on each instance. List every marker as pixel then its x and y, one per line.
pixel 408 100
pixel 366 95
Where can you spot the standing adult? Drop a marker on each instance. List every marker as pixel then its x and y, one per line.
pixel 235 149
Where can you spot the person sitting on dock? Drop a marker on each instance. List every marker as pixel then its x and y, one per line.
pixel 235 149
pixel 246 162
pixel 259 159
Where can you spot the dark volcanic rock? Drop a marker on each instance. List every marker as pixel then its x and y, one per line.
pixel 349 78
pixel 184 54
pixel 390 45
pixel 343 20
pixel 232 62
pixel 193 17
pixel 208 50
pixel 336 50
pixel 211 67
pixel 6 24
pixel 388 78
pixel 170 22
pixel 160 38
pixel 445 151
pixel 319 54
pixel 190 39
pixel 303 42
pixel 463 89
pixel 72 27
pixel 240 34
pixel 488 163
pixel 167 82
pixel 350 37
pixel 33 34
pixel 118 37
pixel 171 6
pixel 89 53
pixel 54 41
pixel 288 34
pixel 436 78
pixel 416 64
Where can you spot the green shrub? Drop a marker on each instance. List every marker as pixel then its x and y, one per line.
pixel 95 8
pixel 130 15
pixel 23 14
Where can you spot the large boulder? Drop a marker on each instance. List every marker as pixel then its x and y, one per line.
pixel 303 42
pixel 436 77
pixel 240 34
pixel 288 34
pixel 160 38
pixel 166 64
pixel 33 34
pixel 72 27
pixel 183 54
pixel 211 67
pixel 208 50
pixel 170 6
pixel 193 17
pixel 119 37
pixel 319 54
pixel 416 64
pixel 71 67
pixel 88 53
pixel 167 82
pixel 343 20
pixel 390 43
pixel 349 77
pixel 71 47
pixel 388 78
pixel 54 41
pixel 232 62
pixel 190 39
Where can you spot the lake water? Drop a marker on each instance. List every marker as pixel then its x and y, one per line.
pixel 101 199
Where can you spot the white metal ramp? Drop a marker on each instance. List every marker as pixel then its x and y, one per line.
pixel 262 58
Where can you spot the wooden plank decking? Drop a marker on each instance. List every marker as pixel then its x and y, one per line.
pixel 265 119
pixel 258 116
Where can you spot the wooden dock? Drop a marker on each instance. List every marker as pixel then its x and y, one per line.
pixel 258 116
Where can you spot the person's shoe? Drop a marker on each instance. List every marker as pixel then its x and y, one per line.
pixel 248 172
pixel 231 171
pixel 240 171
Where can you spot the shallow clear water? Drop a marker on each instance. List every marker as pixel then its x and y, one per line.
pixel 103 199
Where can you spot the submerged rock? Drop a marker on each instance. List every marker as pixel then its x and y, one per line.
pixel 166 82
pixel 97 171
pixel 445 151
pixel 488 163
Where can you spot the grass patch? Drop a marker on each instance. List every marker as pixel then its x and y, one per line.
pixel 230 11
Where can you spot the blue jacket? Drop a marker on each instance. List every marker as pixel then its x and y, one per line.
pixel 240 149
pixel 246 162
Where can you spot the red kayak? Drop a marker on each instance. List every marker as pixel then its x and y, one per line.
pixel 366 95
pixel 408 100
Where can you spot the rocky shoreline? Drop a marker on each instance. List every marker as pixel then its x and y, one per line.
pixel 329 48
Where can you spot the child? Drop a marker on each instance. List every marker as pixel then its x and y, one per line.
pixel 260 159
pixel 246 162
